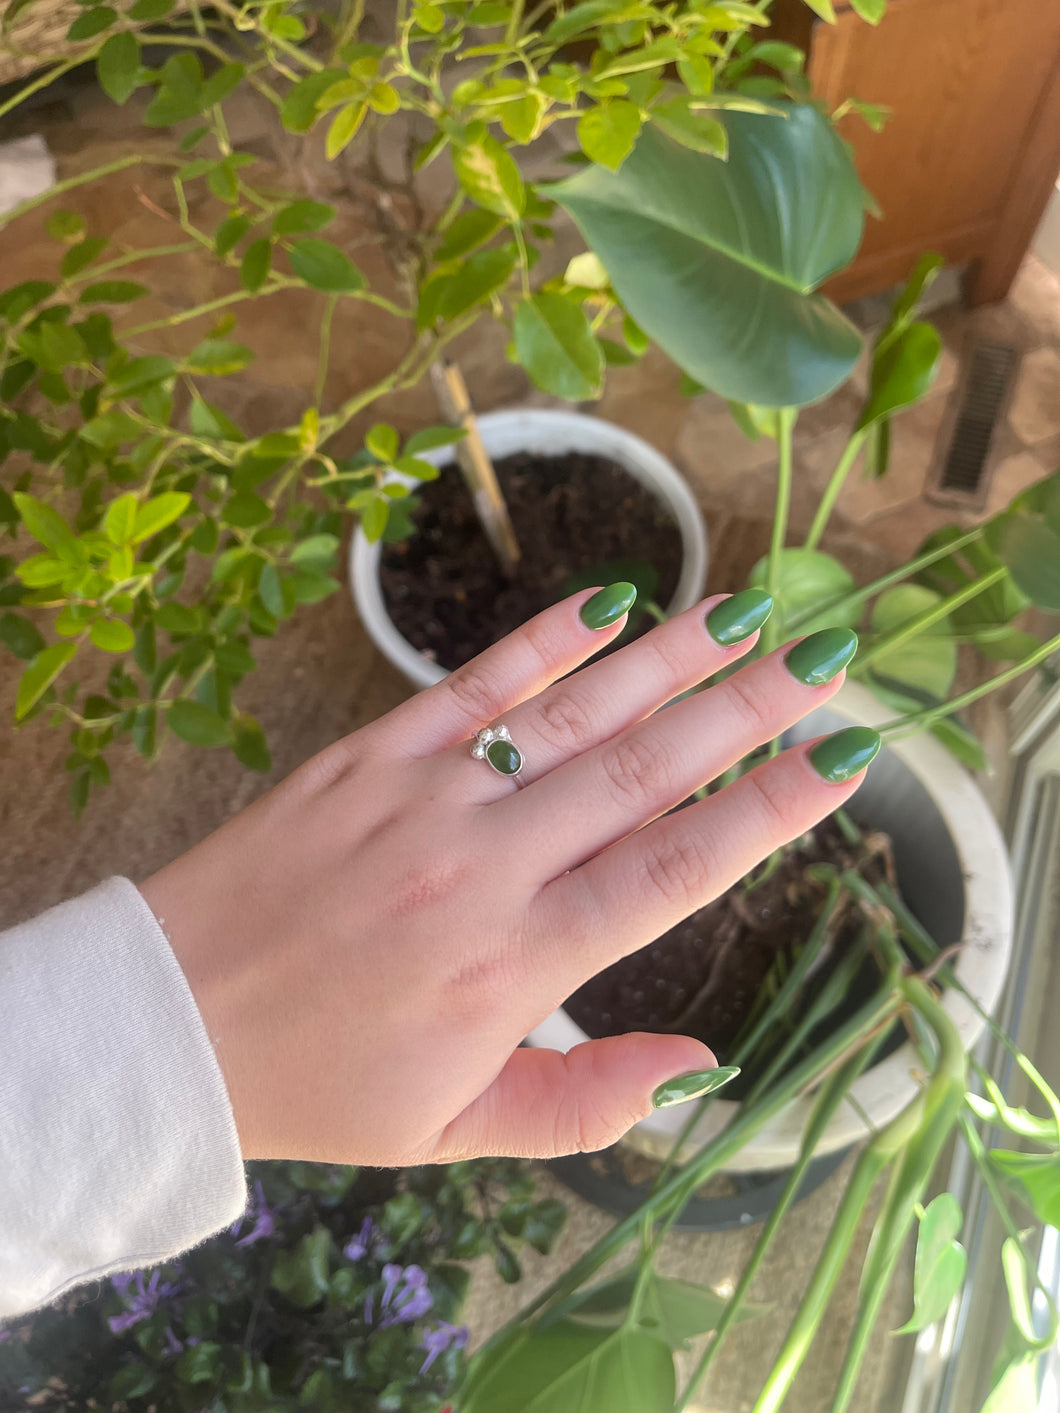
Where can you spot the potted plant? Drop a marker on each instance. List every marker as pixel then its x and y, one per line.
pixel 338 1283
pixel 152 536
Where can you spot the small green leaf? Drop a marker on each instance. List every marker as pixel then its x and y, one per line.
pixel 246 510
pixel 902 372
pixel 201 1363
pixel 325 267
pixel 872 11
pixel 47 526
pixel 343 129
pixel 66 226
pixel 431 437
pixel 554 343
pixel 315 553
pixel 382 442
pixel 250 746
pixel 941 1263
pixel 470 229
pixel 521 119
pixel 808 580
pixel 81 255
pixel 271 591
pixel 374 518
pixel 217 356
pixel 220 84
pixel 199 725
pixel 1030 548
pixel 255 264
pixel 118 66
pixel 479 275
pixel 112 635
pixel 302 216
pixel 699 131
pixel 229 233
pixel 157 513
pixel 420 470
pixel 132 1380
pixel 606 133
pixel 1036 1177
pixel 91 23
pixel 487 172
pixel 926 663
pixel 40 674
pixel 20 636
pixel 1017 1389
pixel 120 519
pixel 113 292
pixel 151 9
pixel 299 111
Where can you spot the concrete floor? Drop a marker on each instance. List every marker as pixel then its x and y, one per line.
pixel 320 677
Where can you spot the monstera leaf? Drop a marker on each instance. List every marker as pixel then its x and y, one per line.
pixel 718 261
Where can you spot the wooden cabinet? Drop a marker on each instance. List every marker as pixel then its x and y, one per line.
pixel 969 156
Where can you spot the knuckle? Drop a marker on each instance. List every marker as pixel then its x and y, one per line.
pixel 567 722
pixel 773 802
pixel 670 657
pixel 752 699
pixel 427 883
pixel 635 770
pixel 483 983
pixel 478 692
pixel 679 868
pixel 545 643
pixel 581 1125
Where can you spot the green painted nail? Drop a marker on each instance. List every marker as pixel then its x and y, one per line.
pixel 818 658
pixel 692 1086
pixel 608 604
pixel 838 757
pixel 737 618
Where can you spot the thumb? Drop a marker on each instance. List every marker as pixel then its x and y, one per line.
pixel 544 1103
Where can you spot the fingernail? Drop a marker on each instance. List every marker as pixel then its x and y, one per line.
pixel 609 604
pixel 838 757
pixel 818 658
pixel 692 1086
pixel 737 618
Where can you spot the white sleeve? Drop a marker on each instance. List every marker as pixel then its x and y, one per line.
pixel 118 1147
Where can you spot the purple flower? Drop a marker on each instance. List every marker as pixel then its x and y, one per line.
pixel 362 1243
pixel 144 1302
pixel 405 1296
pixel 5 1335
pixel 264 1219
pixel 437 1339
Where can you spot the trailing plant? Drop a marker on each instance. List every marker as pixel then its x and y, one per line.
pixel 340 1287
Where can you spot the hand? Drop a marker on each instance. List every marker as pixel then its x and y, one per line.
pixel 369 942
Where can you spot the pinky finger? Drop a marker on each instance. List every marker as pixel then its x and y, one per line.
pixel 637 889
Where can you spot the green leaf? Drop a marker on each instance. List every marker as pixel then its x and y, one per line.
pixel 206 420
pixel 302 1273
pixel 151 9
pixel 66 226
pixel 120 519
pixel 157 513
pixel 217 356
pixel 343 129
pixel 823 8
pixel 132 1380
pixel 271 591
pixel 416 467
pixel 315 553
pixel 569 1367
pixel 221 83
pixel 431 437
pixel 941 1263
pixel 81 255
pixel 382 442
pixel 606 133
pixel 925 272
pixel 717 261
pixel 926 663
pixel 325 267
pixel 113 292
pixel 42 569
pixel 299 111
pixel 229 233
pixel 1036 1177
pixel 246 510
pixel 479 275
pixel 871 11
pixel 302 216
pixel 487 172
pixel 255 264
pixel 199 725
pixel 20 636
pixel 47 526
pixel 554 343
pixel 1030 548
pixel 249 745
pixel 808 579
pixel 674 1311
pixel 112 635
pixel 118 66
pixel 374 518
pixel 40 674
pixel 91 23
pixel 202 1363
pixel 470 229
pixel 1017 1389
pixel 521 118
pixel 699 131
pixel 902 372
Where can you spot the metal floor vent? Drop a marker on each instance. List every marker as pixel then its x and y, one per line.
pixel 985 389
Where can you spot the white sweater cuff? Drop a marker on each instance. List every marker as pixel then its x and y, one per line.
pixel 118 1146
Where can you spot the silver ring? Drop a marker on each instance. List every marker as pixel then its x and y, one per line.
pixel 494 745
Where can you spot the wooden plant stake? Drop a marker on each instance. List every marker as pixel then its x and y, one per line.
pixel 477 468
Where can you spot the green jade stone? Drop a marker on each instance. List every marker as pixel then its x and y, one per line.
pixel 504 756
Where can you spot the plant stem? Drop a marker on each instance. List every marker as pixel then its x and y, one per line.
pixel 781 510
pixel 918 721
pixel 38 83
pixel 832 490
pixel 857 597
pixel 325 347
pixel 82 179
pixel 930 616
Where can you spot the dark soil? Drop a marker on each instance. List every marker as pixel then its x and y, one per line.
pixel 444 589
pixel 702 978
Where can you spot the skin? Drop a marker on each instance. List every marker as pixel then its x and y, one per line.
pixel 369 942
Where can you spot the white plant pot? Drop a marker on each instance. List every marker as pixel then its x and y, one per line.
pixel 954 874
pixel 545 433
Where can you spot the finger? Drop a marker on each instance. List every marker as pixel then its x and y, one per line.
pixel 637 889
pixel 546 647
pixel 602 795
pixel 544 1104
pixel 595 704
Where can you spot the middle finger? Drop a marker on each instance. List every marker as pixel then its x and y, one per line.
pixel 607 792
